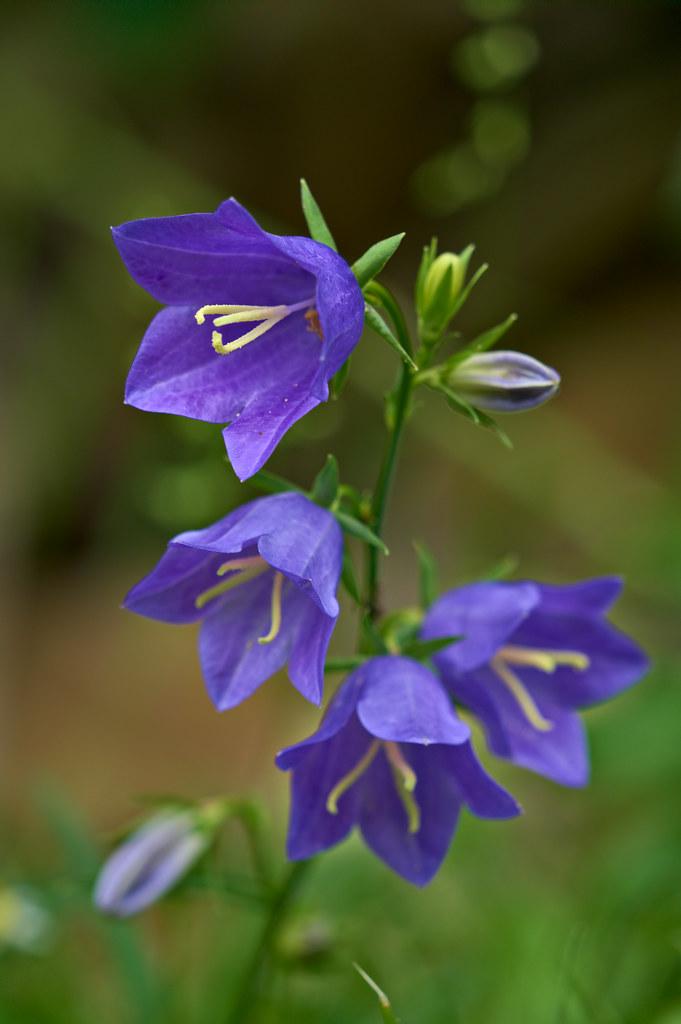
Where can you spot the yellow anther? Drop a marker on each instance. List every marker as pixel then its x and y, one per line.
pixel 544 660
pixel 266 317
pixel 275 611
pixel 244 569
pixel 350 779
pixel 521 694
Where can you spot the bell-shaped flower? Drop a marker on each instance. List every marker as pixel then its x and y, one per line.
pixel 392 757
pixel 530 656
pixel 263 582
pixel 150 862
pixel 503 381
pixel 255 325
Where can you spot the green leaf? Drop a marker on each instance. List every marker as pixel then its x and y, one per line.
pixel 375 258
pixel 427 575
pixel 273 484
pixel 384 1004
pixel 317 226
pixel 372 640
pixel 360 530
pixel 421 649
pixel 486 421
pixel 325 486
pixel 502 569
pixel 376 322
pixel 349 578
pixel 344 664
pixel 339 380
pixel 489 338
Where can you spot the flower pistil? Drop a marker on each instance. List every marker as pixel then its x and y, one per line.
pixel 543 660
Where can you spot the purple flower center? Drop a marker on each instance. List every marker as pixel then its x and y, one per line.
pixel 242 570
pixel 266 317
pixel 538 658
pixel 403 775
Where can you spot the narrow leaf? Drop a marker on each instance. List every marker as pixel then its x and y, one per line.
pixel 420 649
pixel 273 484
pixel 427 575
pixel 344 664
pixel 349 578
pixel 376 322
pixel 469 287
pixel 325 486
pixel 317 226
pixel 372 640
pixel 489 338
pixel 384 1004
pixel 339 380
pixel 502 569
pixel 375 258
pixel 360 530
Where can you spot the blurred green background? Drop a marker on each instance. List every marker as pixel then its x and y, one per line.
pixel 548 134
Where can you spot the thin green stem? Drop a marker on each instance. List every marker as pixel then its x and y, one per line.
pixel 249 991
pixel 399 412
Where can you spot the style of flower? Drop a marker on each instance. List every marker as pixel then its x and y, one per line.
pixel 263 581
pixel 150 862
pixel 530 656
pixel 255 325
pixel 392 757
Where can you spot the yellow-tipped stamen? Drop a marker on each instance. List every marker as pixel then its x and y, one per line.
pixel 405 783
pixel 266 318
pixel 244 569
pixel 276 610
pixel 522 696
pixel 544 660
pixel 351 778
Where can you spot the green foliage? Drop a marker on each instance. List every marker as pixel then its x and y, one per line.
pixel 314 217
pixel 370 265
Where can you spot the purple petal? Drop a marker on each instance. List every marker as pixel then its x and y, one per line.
pixel 338 714
pixel 559 754
pixel 383 819
pixel 203 258
pixel 307 658
pixel 169 592
pixel 615 661
pixel 588 597
pixel 402 700
pixel 478 790
pixel 319 766
pixel 234 664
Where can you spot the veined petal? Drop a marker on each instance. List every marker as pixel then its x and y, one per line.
pixel 401 700
pixel 306 661
pixel 588 597
pixel 169 592
pixel 338 714
pixel 484 614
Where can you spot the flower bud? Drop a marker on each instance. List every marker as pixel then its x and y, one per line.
pixel 150 861
pixel 447 264
pixel 440 290
pixel 503 381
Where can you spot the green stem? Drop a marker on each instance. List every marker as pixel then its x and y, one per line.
pixel 249 991
pixel 386 475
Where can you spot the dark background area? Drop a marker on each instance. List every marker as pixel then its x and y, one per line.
pixel 549 135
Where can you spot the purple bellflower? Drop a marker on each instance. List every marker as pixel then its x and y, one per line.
pixel 263 582
pixel 530 656
pixel 255 325
pixel 150 862
pixel 392 757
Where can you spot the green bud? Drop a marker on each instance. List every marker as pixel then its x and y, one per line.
pixel 441 290
pixel 447 265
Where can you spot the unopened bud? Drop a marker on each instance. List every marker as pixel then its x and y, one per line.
pixel 503 381
pixel 448 270
pixel 151 861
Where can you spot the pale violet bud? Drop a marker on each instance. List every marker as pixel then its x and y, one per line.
pixel 151 861
pixel 503 381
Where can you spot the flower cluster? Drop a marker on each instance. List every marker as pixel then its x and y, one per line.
pixel 255 327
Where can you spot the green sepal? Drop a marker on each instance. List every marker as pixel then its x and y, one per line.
pixel 401 628
pixel 481 343
pixel 345 664
pixel 477 416
pixel 463 295
pixel 420 650
pixel 429 254
pixel 271 483
pixel 349 578
pixel 317 226
pixel 502 569
pixel 339 380
pixel 376 322
pixel 372 641
pixel 428 588
pixel 375 258
pixel 360 530
pixel 384 1005
pixel 326 483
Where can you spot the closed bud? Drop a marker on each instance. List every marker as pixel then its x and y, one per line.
pixel 153 859
pixel 449 269
pixel 503 381
pixel 440 290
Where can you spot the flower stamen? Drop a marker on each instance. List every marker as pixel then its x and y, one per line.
pixel 266 317
pixel 405 783
pixel 520 693
pixel 350 779
pixel 544 660
pixel 275 625
pixel 244 569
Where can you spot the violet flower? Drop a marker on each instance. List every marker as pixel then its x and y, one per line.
pixel 256 324
pixel 531 655
pixel 150 862
pixel 263 581
pixel 392 757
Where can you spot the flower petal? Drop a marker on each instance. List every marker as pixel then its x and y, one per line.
pixel 338 714
pixel 588 597
pixel 306 661
pixel 402 700
pixel 484 614
pixel 170 590
pixel 479 791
